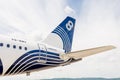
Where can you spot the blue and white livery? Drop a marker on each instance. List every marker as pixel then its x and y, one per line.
pixel 18 56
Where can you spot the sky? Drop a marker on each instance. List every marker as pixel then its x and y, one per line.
pixel 97 24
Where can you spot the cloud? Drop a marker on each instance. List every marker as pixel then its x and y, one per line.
pixel 30 17
pixel 98 23
pixel 69 10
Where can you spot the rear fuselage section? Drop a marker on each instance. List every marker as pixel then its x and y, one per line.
pixel 18 56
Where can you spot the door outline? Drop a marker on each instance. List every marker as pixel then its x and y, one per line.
pixel 42 51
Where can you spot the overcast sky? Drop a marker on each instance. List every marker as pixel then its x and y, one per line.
pixel 98 24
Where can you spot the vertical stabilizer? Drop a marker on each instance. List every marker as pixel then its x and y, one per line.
pixel 62 36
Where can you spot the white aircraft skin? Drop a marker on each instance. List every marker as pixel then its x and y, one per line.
pixel 9 55
pixel 18 56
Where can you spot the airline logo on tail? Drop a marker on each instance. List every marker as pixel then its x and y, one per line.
pixel 63 35
pixel 69 25
pixel 65 30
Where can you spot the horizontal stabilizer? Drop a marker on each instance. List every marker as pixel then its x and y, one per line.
pixel 84 53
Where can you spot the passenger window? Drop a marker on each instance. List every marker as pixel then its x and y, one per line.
pixel 20 47
pixel 25 48
pixel 8 45
pixel 1 44
pixel 14 46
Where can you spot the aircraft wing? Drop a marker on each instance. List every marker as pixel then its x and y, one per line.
pixel 78 55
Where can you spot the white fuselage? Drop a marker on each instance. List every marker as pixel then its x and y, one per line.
pixel 18 56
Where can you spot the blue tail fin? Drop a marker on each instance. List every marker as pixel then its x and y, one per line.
pixel 62 36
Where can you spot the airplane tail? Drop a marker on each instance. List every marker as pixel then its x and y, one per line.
pixel 62 36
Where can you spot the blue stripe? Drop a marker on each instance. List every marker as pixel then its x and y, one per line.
pixel 66 30
pixel 26 65
pixel 66 42
pixel 29 57
pixel 35 61
pixel 20 66
pixel 56 57
pixel 64 35
pixel 51 53
pixel 32 65
pixel 55 60
pixel 37 66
